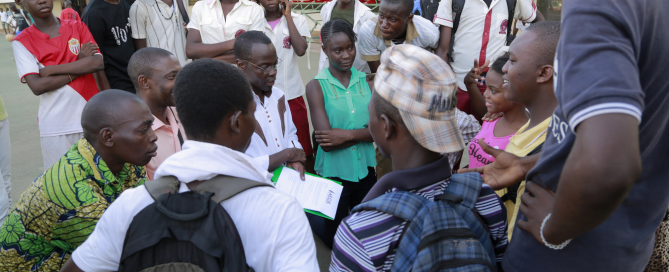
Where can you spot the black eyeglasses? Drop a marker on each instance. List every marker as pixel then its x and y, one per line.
pixel 267 70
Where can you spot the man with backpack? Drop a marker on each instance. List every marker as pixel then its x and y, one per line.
pixel 479 30
pixel 255 225
pixel 412 120
pixel 19 20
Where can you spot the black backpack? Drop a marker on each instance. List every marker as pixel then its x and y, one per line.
pixel 186 232
pixel 430 8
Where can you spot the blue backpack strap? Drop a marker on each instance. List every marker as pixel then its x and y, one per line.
pixel 465 186
pixel 402 204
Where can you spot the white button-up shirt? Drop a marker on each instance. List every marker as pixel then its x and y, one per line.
pixel 288 76
pixel 275 130
pixel 482 31
pixel 161 26
pixel 207 17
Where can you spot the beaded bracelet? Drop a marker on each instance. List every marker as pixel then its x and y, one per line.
pixel 551 246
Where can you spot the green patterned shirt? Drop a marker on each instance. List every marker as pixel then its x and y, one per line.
pixel 60 209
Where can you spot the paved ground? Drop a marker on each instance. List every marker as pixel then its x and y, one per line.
pixel 22 107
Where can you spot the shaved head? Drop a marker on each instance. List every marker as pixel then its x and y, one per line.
pixel 104 111
pixel 118 125
pixel 547 35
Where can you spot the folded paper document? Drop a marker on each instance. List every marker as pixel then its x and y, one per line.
pixel 317 195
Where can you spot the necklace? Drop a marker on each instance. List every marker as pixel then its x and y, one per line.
pixel 161 12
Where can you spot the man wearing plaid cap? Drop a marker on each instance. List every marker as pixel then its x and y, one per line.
pixel 412 118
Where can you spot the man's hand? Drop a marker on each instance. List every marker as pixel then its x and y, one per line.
pixel 285 12
pixel 88 49
pixel 489 117
pixel 295 155
pixel 298 166
pixel 474 76
pixel 536 203
pixel 505 171
pixel 333 137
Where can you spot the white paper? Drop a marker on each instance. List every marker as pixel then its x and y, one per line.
pixel 314 193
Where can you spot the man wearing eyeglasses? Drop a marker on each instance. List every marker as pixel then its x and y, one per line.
pixel 274 141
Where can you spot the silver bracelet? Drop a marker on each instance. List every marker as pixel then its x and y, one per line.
pixel 551 246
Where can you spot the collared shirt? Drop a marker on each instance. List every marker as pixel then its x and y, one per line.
pixel 481 32
pixel 207 17
pixel 346 108
pixel 361 15
pixel 59 110
pixel 420 32
pixel 366 240
pixel 275 130
pixel 521 144
pixel 288 76
pixel 272 225
pixel 168 139
pixel 61 208
pixel 161 26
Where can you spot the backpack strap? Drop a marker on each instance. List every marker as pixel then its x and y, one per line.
pixel 161 186
pixel 464 189
pixel 511 8
pixel 457 7
pixel 402 204
pixel 182 11
pixel 225 187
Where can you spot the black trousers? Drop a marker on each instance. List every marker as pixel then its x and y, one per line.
pixel 352 194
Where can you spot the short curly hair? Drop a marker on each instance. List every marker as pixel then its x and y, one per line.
pixel 205 92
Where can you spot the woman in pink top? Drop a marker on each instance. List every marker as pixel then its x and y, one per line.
pixel 498 132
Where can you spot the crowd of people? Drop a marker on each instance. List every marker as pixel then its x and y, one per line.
pixel 149 112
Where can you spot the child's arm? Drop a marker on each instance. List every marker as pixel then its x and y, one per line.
pixel 195 49
pixel 101 80
pixel 40 85
pixel 475 97
pixel 89 62
pixel 298 42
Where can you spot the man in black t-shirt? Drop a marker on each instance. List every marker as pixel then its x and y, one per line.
pixel 20 17
pixel 605 150
pixel 108 22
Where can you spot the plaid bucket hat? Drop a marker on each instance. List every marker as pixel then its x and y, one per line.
pixel 424 89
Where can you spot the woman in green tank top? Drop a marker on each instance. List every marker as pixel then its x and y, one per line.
pixel 338 97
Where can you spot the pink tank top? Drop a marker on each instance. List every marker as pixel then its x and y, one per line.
pixel 273 24
pixel 477 157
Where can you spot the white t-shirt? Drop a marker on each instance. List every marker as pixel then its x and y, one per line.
pixel 59 110
pixel 207 17
pixel 482 31
pixel 275 130
pixel 372 44
pixel 288 76
pixel 3 16
pixel 272 225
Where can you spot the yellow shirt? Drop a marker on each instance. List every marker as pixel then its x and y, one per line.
pixel 520 145
pixel 3 112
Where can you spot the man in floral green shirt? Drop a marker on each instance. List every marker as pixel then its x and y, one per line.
pixel 60 209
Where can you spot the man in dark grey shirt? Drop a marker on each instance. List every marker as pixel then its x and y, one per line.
pixel 606 146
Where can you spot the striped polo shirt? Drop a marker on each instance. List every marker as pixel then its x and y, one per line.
pixel 367 240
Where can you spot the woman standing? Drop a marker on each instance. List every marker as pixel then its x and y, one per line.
pixel 338 97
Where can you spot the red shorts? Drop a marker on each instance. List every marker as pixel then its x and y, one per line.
pixel 463 102
pixel 299 111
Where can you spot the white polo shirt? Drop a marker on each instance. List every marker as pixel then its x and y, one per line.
pixel 207 17
pixel 161 26
pixel 275 130
pixel 288 76
pixel 361 14
pixel 420 32
pixel 482 31
pixel 272 225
